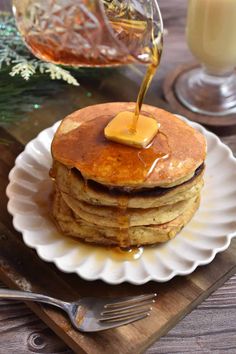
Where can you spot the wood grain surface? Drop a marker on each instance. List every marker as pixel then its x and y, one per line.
pixel 209 328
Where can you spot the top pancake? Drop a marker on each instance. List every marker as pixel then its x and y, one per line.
pixel 176 151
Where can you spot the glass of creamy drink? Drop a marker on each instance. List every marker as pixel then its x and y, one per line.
pixel 211 37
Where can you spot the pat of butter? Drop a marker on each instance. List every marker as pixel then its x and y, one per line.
pixel 119 130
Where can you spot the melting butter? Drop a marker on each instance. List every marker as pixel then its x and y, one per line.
pixel 120 129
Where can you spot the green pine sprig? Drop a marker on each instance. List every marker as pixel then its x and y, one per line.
pixel 15 54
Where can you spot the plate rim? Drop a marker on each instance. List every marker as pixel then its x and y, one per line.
pixel 125 277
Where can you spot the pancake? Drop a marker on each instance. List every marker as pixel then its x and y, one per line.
pixel 114 217
pixel 74 226
pixel 117 195
pixel 80 143
pixel 71 182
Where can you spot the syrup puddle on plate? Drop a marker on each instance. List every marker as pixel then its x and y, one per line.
pixel 85 250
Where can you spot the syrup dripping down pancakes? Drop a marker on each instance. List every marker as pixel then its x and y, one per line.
pixel 117 195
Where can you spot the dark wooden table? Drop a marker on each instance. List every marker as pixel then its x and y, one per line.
pixel 209 328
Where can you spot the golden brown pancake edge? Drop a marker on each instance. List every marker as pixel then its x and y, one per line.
pixel 187 146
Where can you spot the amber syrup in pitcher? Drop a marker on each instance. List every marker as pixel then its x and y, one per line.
pixel 71 35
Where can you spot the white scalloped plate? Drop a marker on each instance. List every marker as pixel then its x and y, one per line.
pixel 210 231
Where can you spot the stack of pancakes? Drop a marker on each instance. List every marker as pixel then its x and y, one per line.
pixel 111 194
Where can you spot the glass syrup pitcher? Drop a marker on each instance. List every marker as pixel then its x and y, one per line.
pixel 95 33
pixel 90 32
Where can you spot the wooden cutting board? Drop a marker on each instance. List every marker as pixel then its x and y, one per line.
pixel 21 268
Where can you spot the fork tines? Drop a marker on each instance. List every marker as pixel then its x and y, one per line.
pixel 128 309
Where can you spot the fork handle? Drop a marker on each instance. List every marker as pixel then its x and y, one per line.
pixel 29 296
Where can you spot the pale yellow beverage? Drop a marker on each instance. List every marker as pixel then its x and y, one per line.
pixel 211 33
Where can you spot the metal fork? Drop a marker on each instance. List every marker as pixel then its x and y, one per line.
pixel 93 314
